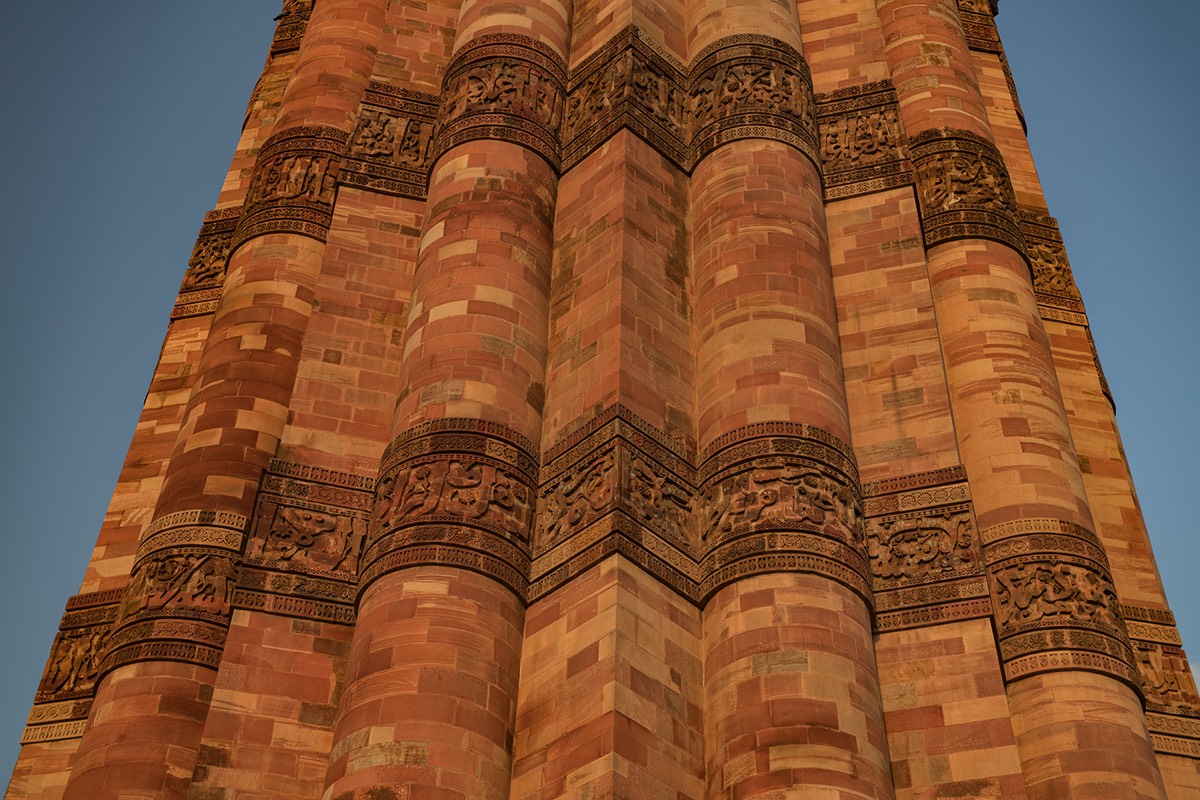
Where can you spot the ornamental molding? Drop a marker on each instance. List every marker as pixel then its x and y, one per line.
pixel 1054 599
pixel 963 189
pixel 290 26
pixel 780 496
pixel 200 289
pixel 391 148
pixel 1053 282
pixel 863 148
pixel 455 492
pixel 616 485
pixel 293 183
pixel 503 86
pixel 305 540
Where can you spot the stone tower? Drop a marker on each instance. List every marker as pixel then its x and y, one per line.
pixel 682 399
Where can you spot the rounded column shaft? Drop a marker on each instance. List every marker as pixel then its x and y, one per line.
pixel 446 563
pixel 791 689
pixel 1065 652
pixel 151 704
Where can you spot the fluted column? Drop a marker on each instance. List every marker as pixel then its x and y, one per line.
pixel 1078 721
pixel 150 707
pixel 430 695
pixel 791 688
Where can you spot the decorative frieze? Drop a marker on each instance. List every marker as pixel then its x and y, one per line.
pixel 177 603
pixel 290 26
pixel 391 149
pixel 862 140
pixel 617 486
pixel 964 189
pixel 979 25
pixel 629 83
pixel 1055 604
pixel 751 86
pixel 301 557
pixel 513 87
pixel 504 86
pixel 739 87
pixel 1052 280
pixel 923 546
pixel 292 187
pixel 201 287
pixel 68 680
pixel 1167 680
pixel 458 492
pixel 779 497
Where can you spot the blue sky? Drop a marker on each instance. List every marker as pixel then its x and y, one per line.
pixel 121 118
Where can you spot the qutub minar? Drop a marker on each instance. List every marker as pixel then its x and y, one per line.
pixel 663 399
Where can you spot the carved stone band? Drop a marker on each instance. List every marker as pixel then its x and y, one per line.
pixel 177 603
pixel 1052 279
pixel 781 497
pixel 301 556
pixel 391 149
pixel 751 87
pixel 1053 595
pixel 206 267
pixel 456 492
pixel 740 87
pixel 964 189
pixel 504 86
pixel 618 488
pixel 292 23
pixel 292 187
pixel 628 83
pixel 862 140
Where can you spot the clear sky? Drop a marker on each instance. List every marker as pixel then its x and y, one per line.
pixel 120 119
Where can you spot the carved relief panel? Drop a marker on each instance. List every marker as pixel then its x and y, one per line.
pixel 65 692
pixel 926 564
pixel 305 543
pixel 964 189
pixel 781 496
pixel 201 287
pixel 1055 604
pixel 504 86
pixel 1167 679
pixel 862 142
pixel 454 491
pixel 391 149
pixel 618 485
pixel 292 186
pixel 1052 279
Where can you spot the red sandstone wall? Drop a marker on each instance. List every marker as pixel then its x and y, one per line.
pixel 624 398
